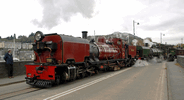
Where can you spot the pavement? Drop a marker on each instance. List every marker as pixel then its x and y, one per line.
pixel 175 80
pixel 16 79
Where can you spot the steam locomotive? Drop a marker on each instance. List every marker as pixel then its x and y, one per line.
pixel 147 53
pixel 60 58
pixel 172 53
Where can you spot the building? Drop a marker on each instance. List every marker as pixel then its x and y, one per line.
pixel 1 44
pixel 10 45
pixel 27 46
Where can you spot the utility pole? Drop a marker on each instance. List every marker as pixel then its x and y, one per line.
pixel 134 27
pixel 160 38
pixel 94 34
pixel 14 46
pixel 181 40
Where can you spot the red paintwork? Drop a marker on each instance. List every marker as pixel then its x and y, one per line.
pixel 101 39
pixel 132 51
pixel 180 52
pixel 76 51
pixel 108 51
pixel 71 50
pixel 48 70
pixel 118 42
pixel 46 54
pixel 123 53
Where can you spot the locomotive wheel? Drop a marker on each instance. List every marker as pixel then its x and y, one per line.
pixel 58 80
pixel 74 77
pixel 89 73
pixel 82 75
pixel 96 72
pixel 77 74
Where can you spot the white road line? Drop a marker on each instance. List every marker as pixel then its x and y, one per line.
pixel 162 83
pixel 83 86
pixel 159 94
pixel 158 86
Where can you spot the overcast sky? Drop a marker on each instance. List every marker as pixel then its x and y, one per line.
pixel 104 16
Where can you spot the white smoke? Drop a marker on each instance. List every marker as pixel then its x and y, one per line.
pixel 134 42
pixel 56 10
pixel 148 41
pixel 141 63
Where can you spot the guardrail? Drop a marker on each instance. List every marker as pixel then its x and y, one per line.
pixel 18 68
pixel 180 60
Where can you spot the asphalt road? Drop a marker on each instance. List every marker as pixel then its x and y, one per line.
pixel 134 83
pixel 175 76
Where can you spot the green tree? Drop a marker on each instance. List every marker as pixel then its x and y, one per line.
pixel 20 36
pixel 32 34
pixel 11 37
pixel 23 39
pixel 31 39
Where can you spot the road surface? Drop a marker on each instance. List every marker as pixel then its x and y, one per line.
pixel 133 83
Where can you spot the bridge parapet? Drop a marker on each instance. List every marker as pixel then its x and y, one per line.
pixel 18 68
pixel 180 60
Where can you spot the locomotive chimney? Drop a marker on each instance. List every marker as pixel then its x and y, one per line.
pixel 84 34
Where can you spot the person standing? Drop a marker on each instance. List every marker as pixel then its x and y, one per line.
pixel 9 63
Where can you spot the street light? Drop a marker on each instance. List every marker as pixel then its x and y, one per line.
pixel 134 27
pixel 181 40
pixel 161 37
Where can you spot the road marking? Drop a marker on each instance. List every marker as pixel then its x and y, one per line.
pixel 158 86
pixel 159 94
pixel 162 83
pixel 84 86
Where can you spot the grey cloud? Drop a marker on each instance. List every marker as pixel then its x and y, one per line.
pixel 149 2
pixel 170 40
pixel 56 10
pixel 170 14
pixel 175 23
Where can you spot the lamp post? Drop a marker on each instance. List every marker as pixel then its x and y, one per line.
pixel 94 35
pixel 14 46
pixel 161 37
pixel 134 27
pixel 181 40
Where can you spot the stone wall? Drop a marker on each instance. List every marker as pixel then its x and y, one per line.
pixel 18 68
pixel 180 60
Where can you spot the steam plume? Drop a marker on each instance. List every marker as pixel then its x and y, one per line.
pixel 56 10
